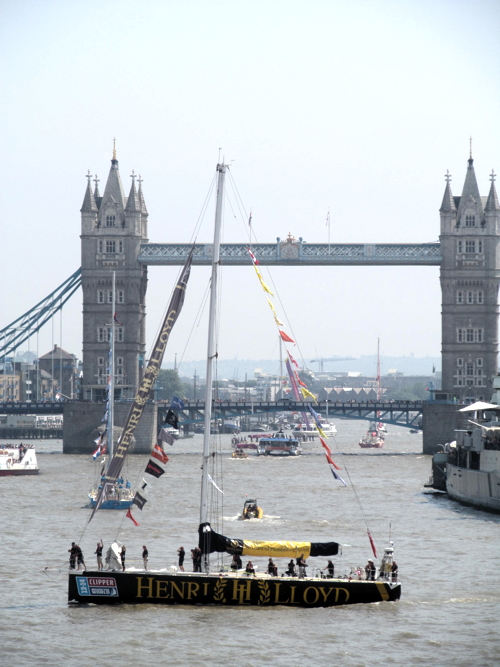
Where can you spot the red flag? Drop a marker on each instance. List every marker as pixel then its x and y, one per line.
pixel 332 462
pixel 159 454
pixel 374 548
pixel 129 516
pixel 325 446
pixel 286 337
pixel 302 384
pixel 254 258
pixel 293 361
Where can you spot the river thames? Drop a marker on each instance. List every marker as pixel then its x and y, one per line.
pixel 448 557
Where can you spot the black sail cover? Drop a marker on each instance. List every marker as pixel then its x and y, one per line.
pixel 147 384
pixel 210 541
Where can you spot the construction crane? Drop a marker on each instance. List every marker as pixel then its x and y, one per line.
pixel 322 360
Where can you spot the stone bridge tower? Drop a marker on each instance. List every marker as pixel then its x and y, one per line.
pixel 470 274
pixel 113 227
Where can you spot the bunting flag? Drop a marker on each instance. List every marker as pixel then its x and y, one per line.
pixel 293 361
pixel 254 258
pixel 306 393
pixel 177 403
pixel 144 484
pixel 212 482
pixel 117 320
pixel 153 469
pixel 325 446
pixel 165 436
pixel 337 476
pixel 321 432
pixel 374 548
pixel 276 318
pixel 286 337
pixel 332 462
pixel 129 516
pixel 159 454
pixel 97 453
pixel 171 419
pixel 139 500
pixel 146 386
pixel 259 274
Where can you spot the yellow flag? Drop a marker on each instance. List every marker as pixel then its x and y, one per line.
pixel 321 432
pixel 266 288
pixel 278 321
pixel 306 393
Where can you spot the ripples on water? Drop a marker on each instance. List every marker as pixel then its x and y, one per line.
pixel 448 560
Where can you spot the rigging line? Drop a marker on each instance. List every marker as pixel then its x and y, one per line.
pixel 203 210
pixel 196 322
pixel 239 200
pixel 363 514
pixel 243 215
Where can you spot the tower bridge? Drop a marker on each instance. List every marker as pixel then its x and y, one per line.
pixel 114 237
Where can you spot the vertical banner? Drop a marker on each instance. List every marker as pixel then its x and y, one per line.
pixel 147 384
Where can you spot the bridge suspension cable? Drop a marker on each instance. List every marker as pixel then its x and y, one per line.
pixel 18 332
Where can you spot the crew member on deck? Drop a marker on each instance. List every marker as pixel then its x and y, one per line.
pixel 98 553
pixel 250 568
pixel 182 554
pixel 370 571
pixel 145 554
pixel 122 557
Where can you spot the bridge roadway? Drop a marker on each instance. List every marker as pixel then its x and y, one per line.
pixel 402 413
pixel 296 253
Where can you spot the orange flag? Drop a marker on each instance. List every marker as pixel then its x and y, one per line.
pixel 286 337
pixel 331 461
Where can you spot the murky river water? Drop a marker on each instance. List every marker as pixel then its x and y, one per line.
pixel 448 556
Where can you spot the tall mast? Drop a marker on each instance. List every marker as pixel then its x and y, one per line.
pixel 111 380
pixel 211 350
pixel 379 393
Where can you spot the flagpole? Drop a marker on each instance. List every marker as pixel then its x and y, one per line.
pixel 211 351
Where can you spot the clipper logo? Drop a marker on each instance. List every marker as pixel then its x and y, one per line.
pixel 105 586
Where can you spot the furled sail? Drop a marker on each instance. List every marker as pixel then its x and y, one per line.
pixel 147 384
pixel 210 541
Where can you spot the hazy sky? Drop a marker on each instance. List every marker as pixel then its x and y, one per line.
pixel 357 107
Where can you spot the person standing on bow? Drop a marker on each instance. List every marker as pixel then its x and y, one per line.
pixel 301 564
pixel 122 557
pixel 98 553
pixel 182 554
pixel 145 554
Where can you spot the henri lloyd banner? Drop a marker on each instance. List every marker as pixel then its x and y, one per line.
pixel 147 384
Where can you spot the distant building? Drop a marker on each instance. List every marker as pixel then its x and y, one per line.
pixel 63 368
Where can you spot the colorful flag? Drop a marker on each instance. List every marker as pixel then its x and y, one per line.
pixel 171 419
pixel 144 484
pixel 97 453
pixel 286 337
pixel 293 361
pixel 176 403
pixel 254 258
pixel 153 469
pixel 325 446
pixel 374 548
pixel 306 393
pixel 129 516
pixel 159 454
pixel 331 461
pixel 259 274
pixel 165 436
pixel 337 476
pixel 139 500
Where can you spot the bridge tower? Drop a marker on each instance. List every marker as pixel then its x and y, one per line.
pixel 113 227
pixel 470 275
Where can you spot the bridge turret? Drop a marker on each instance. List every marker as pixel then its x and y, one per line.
pixel 89 208
pixel 470 275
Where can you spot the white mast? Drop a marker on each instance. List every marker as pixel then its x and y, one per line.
pixel 221 168
pixel 111 382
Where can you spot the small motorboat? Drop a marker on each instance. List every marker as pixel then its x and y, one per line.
pixel 239 453
pixel 251 510
pixel 18 460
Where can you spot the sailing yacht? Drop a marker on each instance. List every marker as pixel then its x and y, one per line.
pixel 216 585
pixel 120 495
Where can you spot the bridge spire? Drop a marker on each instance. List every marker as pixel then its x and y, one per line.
pixel 470 199
pixel 140 194
pixel 492 203
pixel 89 204
pixel 448 203
pixel 133 204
